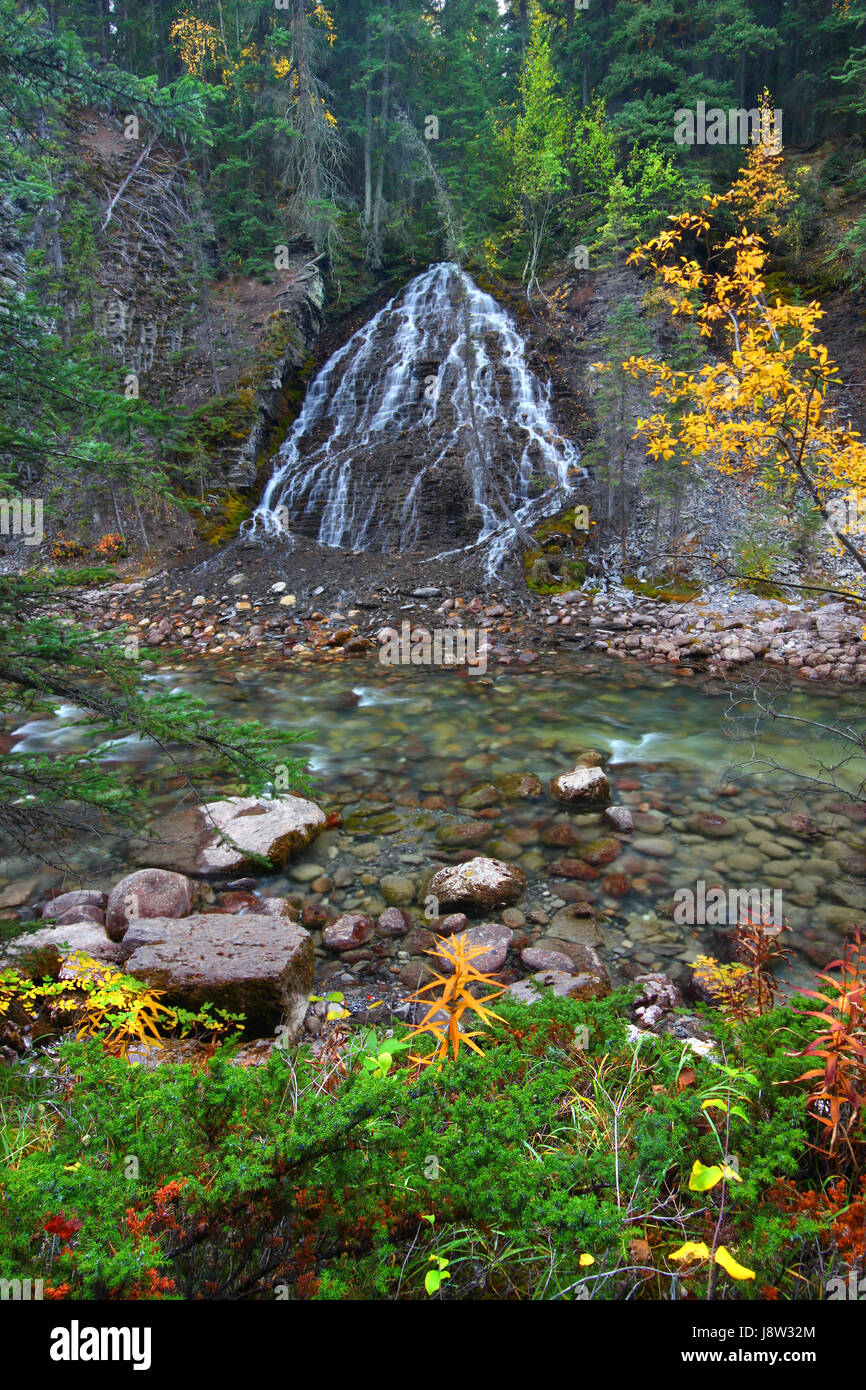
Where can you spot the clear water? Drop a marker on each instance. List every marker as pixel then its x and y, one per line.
pixel 384 740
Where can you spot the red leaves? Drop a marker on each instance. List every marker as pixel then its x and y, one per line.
pixel 63 1226
pixel 838 1096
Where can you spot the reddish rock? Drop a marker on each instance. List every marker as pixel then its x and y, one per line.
pixel 349 930
pixel 78 897
pixel 560 836
pixel 602 852
pixel 617 884
pixel 581 786
pixel 147 893
pixel 536 958
pixel 234 902
pixel 88 912
pixel 478 885
pixel 419 940
pixel 448 925
pixel 571 868
pixel 394 921
pixel 315 916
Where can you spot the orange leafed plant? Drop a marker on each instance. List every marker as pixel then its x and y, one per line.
pixel 446 1011
pixel 838 1096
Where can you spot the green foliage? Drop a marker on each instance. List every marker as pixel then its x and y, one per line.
pixel 504 1164
pixel 44 663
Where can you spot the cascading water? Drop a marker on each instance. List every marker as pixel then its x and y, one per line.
pixel 426 431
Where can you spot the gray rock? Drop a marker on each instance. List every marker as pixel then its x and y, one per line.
pixel 479 884
pixel 277 830
pixel 580 786
pixel 654 845
pixel 261 966
pixel 562 985
pixel 82 936
pixel 619 818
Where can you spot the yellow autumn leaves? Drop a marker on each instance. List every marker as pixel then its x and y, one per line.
pixel 693 1251
pixel 761 408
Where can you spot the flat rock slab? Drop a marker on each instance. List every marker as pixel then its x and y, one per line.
pixel 479 884
pixel 561 984
pixel 189 841
pixel 260 965
pixel 61 941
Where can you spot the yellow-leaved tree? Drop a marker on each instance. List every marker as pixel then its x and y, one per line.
pixel 761 406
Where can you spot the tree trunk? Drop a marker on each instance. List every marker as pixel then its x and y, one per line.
pixel 375 251
pixel 368 135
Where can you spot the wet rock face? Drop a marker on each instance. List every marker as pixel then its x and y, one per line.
pixel 581 786
pixel 619 818
pixel 148 893
pixel 478 885
pixel 390 451
pixel 261 966
pixel 190 841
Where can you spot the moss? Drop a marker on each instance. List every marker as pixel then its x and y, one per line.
pixel 234 510
pixel 674 589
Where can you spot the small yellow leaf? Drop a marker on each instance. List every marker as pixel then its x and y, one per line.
pixel 586 1260
pixel 701 1179
pixel 730 1266
pixel 692 1250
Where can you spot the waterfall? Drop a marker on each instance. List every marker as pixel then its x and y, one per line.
pixel 412 438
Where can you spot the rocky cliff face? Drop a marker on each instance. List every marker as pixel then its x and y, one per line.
pixel 133 248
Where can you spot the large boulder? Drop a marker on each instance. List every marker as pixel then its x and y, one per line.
pixel 582 786
pixel 259 965
pixel 478 885
pixel 191 841
pixel 147 893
